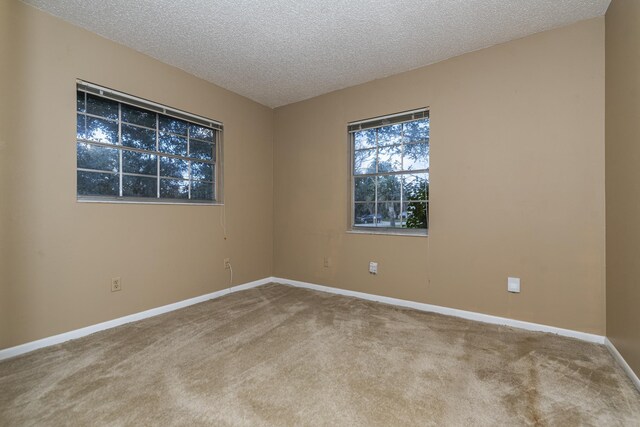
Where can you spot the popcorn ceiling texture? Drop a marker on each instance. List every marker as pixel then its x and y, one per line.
pixel 277 52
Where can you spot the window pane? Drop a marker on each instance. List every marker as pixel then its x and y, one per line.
pixel 201 190
pixel 102 107
pixel 174 189
pixel 202 171
pixel 96 157
pixel 416 186
pixel 133 151
pixel 416 131
pixel 390 158
pixel 201 150
pixel 80 101
pixel 101 131
pixel 364 189
pixel 173 144
pixel 97 184
pixel 174 167
pixel 416 156
pixel 142 163
pixel 364 214
pixel 139 186
pixel 81 126
pixel 364 139
pixel 389 187
pixel 364 161
pixel 144 139
pixel 388 135
pixel 390 214
pixel 202 133
pixel 417 214
pixel 138 116
pixel 169 124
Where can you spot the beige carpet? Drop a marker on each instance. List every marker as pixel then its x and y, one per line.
pixel 278 355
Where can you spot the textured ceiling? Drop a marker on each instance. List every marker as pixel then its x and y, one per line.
pixel 281 51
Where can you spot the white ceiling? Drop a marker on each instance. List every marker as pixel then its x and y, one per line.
pixel 281 51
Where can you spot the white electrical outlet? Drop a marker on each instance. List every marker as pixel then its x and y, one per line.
pixel 513 284
pixel 116 284
pixel 373 267
pixel 327 261
pixel 227 263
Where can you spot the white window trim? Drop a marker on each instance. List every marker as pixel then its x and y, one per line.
pixel 124 98
pixel 353 127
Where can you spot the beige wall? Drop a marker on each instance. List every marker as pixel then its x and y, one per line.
pixel 517 186
pixel 517 183
pixel 623 177
pixel 56 276
pixel 5 119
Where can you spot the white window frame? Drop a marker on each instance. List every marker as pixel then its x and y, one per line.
pixel 156 108
pixel 374 123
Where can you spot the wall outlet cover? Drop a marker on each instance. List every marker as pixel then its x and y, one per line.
pixel 373 267
pixel 513 284
pixel 116 284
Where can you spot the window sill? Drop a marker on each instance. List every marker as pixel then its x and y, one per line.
pixel 145 202
pixel 405 233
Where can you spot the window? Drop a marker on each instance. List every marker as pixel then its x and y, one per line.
pixel 390 173
pixel 132 150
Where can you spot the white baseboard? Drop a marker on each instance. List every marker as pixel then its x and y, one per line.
pixel 623 363
pixel 78 333
pixel 478 317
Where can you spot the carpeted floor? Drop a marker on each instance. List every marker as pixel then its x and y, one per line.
pixel 278 355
